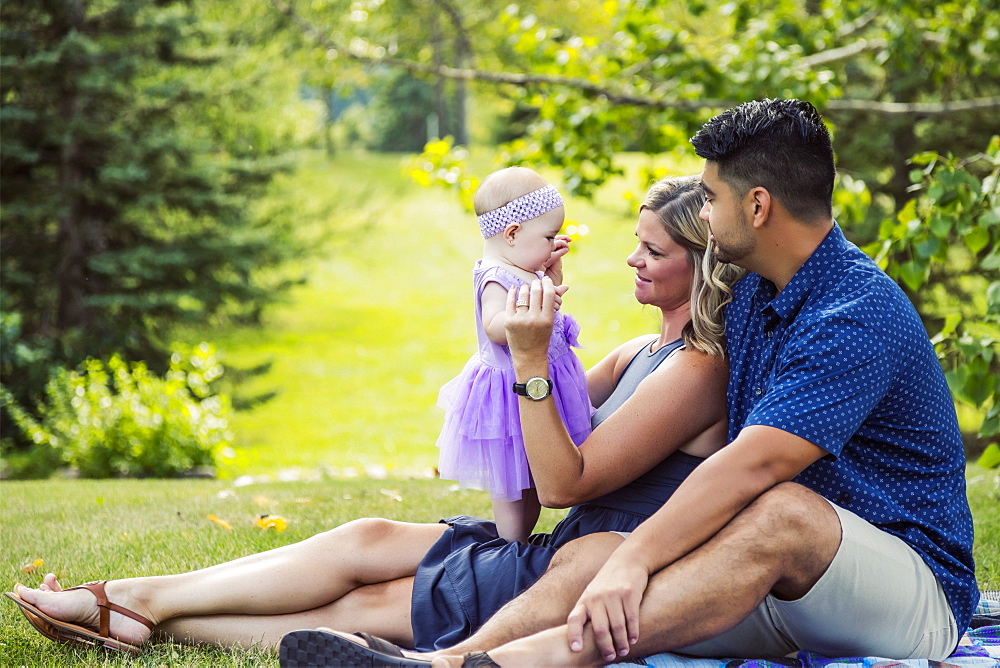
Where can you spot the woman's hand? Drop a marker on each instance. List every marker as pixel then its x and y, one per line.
pixel 529 316
pixel 611 604
pixel 553 266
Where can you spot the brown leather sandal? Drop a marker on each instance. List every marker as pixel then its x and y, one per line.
pixel 60 631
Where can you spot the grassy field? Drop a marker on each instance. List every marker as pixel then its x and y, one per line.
pixel 356 359
pixel 85 530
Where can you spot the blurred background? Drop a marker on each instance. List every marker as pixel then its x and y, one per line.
pixel 235 237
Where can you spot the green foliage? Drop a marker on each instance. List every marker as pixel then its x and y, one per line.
pixel 119 419
pixel 137 141
pixel 948 237
pixel 990 459
pixel 597 79
pixel 659 70
pixel 399 111
pixel 441 163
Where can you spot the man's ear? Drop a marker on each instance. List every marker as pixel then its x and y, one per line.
pixel 759 201
pixel 510 233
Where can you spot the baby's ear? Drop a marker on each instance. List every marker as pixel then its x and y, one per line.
pixel 510 233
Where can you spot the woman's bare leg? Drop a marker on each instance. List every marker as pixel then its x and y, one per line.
pixel 291 579
pixel 381 609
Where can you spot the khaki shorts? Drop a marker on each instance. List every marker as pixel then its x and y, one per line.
pixel 877 598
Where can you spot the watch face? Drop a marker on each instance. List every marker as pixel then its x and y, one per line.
pixel 537 388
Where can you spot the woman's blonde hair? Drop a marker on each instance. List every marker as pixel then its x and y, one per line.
pixel 677 202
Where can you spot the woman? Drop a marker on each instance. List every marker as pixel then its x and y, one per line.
pixel 362 575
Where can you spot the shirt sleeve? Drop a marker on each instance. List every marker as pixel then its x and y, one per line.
pixel 828 377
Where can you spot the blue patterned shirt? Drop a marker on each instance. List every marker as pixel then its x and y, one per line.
pixel 841 359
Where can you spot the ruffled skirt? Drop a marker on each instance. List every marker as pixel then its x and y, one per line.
pixel 481 443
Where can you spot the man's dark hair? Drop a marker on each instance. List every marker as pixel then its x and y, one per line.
pixel 781 145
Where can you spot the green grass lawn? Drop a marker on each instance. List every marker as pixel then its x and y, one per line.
pixel 356 357
pixel 84 530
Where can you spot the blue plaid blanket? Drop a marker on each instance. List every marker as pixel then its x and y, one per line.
pixel 980 648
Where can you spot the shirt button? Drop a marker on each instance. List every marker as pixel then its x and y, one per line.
pixel 758 391
pixel 770 333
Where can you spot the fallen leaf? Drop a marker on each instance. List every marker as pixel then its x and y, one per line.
pixel 32 566
pixel 266 522
pixel 392 494
pixel 221 522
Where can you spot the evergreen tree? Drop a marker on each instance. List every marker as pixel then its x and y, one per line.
pixel 135 146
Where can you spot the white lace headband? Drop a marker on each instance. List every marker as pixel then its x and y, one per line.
pixel 519 210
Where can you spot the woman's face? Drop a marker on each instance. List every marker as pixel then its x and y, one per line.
pixel 663 274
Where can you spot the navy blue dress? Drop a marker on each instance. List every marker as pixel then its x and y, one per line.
pixel 470 572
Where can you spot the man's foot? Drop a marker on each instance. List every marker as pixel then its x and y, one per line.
pixel 325 647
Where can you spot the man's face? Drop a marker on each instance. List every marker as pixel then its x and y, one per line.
pixel 724 212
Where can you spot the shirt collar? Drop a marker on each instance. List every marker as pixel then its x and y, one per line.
pixel 786 304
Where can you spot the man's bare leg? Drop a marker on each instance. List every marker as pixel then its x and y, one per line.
pixel 782 544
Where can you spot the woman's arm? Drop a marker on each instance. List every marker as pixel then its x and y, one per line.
pixel 603 376
pixel 658 419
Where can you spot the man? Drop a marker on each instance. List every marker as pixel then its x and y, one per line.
pixel 836 520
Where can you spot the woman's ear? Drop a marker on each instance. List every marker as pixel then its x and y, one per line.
pixel 510 233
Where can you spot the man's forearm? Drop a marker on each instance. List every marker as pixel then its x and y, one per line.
pixel 714 493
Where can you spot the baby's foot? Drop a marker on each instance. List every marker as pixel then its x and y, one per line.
pixel 79 606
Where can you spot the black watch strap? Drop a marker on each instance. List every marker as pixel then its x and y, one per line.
pixel 534 383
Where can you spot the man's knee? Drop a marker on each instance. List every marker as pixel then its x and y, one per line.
pixel 791 518
pixel 585 556
pixel 791 506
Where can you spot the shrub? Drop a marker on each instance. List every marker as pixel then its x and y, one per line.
pixel 118 419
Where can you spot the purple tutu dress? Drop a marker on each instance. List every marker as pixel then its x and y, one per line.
pixel 481 444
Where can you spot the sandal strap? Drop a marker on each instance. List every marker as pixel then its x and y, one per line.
pixel 376 643
pixel 106 607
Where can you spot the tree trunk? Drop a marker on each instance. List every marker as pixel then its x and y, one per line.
pixel 463 57
pixel 71 310
pixel 331 115
pixel 440 103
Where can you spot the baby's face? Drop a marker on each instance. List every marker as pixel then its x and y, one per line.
pixel 536 240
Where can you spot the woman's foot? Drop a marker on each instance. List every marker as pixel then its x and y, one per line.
pixel 79 606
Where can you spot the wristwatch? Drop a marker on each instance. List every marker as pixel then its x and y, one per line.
pixel 534 388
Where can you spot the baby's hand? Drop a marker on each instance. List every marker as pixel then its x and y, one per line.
pixel 553 266
pixel 560 291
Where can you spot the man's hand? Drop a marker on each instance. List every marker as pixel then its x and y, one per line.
pixel 611 604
